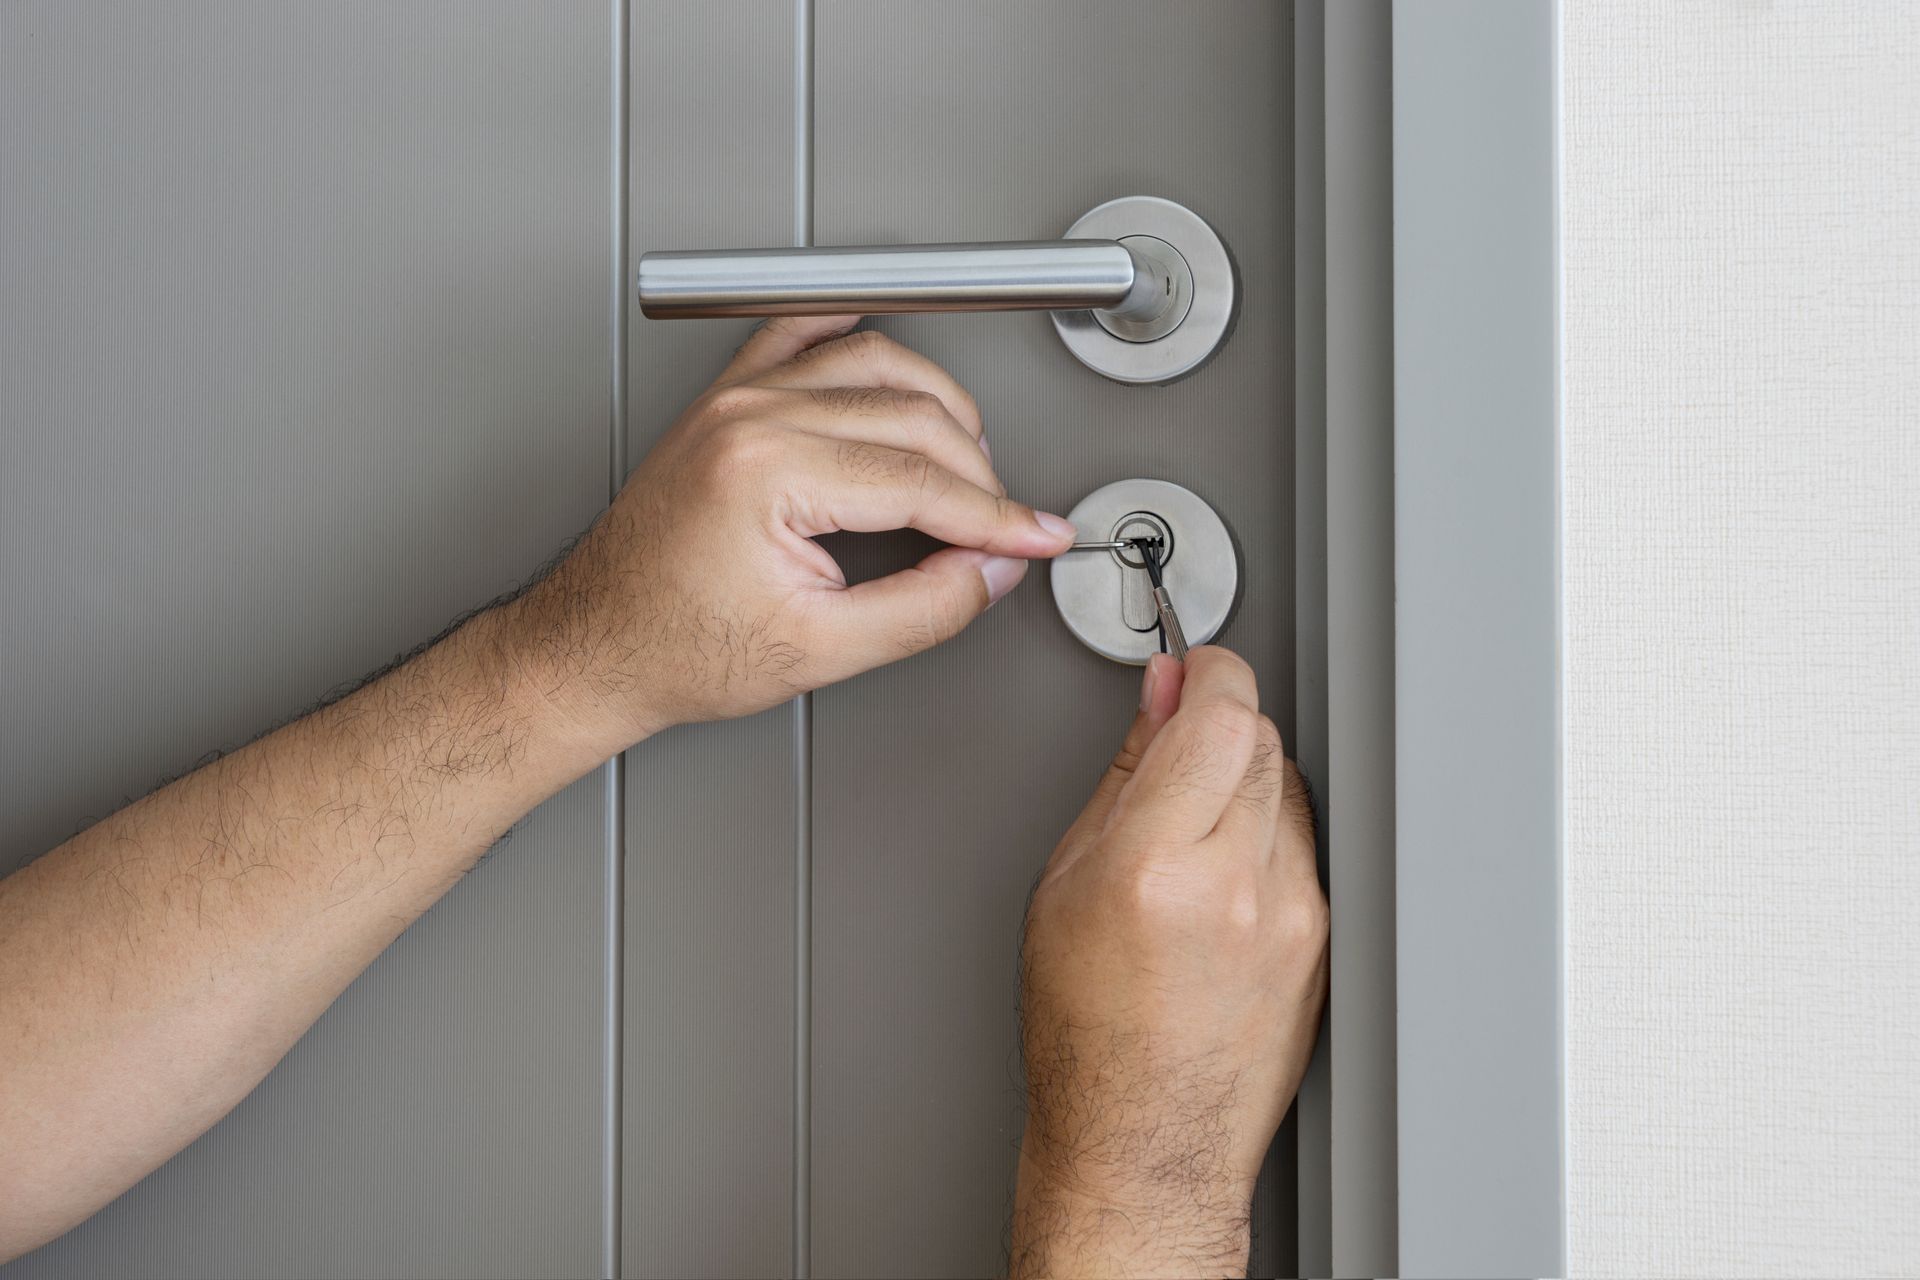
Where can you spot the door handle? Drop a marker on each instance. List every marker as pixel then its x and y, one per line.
pixel 1142 289
pixel 1012 275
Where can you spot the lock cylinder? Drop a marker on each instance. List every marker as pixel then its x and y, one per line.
pixel 1105 596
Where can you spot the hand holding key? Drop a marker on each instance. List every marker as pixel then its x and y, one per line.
pixel 1171 981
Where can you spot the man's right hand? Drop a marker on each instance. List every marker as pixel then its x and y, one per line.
pixel 701 594
pixel 1171 985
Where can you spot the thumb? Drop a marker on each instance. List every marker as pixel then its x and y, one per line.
pixel 904 613
pixel 1159 699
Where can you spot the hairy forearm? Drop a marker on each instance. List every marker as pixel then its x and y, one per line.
pixel 156 966
pixel 1066 1225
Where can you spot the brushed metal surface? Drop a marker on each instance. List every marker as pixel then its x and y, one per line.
pixel 708 1107
pixel 1202 302
pixel 303 342
pixel 944 781
pixel 1094 589
pixel 1010 275
pixel 1142 289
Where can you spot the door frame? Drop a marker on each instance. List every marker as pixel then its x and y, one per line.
pixel 1477 556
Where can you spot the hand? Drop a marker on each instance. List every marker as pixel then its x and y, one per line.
pixel 1171 984
pixel 701 595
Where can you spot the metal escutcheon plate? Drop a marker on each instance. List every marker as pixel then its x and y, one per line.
pixel 1158 228
pixel 1092 590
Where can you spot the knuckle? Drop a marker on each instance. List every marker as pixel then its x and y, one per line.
pixel 1127 760
pixel 1269 732
pixel 1226 721
pixel 1236 909
pixel 730 403
pixel 864 463
pixel 853 400
pixel 1196 765
pixel 1171 896
pixel 919 472
pixel 830 349
pixel 1263 781
pixel 932 622
pixel 1225 666
pixel 870 346
pixel 1154 897
pixel 1304 922
pixel 1297 800
pixel 740 446
pixel 921 410
pixel 947 612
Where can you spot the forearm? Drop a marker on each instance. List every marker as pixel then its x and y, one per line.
pixel 156 966
pixel 1065 1226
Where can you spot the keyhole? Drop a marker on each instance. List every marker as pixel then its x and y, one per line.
pixel 1142 524
pixel 1137 609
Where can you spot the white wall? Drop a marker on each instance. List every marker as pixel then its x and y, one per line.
pixel 1743 637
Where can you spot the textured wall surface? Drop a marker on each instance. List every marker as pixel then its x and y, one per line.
pixel 1743 638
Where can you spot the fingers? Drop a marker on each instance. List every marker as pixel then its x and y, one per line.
pixel 1159 698
pixel 870 359
pixel 1252 817
pixel 916 421
pixel 894 617
pixel 869 488
pixel 781 339
pixel 1195 766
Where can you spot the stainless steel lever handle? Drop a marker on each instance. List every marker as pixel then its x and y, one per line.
pixel 1142 290
pixel 1013 275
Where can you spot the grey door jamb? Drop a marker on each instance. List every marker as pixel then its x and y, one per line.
pixel 1477 565
pixel 1344 613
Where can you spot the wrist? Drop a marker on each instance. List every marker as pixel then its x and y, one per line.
pixel 576 709
pixel 1160 1215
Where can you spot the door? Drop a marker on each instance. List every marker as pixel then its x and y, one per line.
pixel 823 904
pixel 303 352
pixel 310 348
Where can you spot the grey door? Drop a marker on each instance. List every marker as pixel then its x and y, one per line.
pixel 316 329
pixel 824 903
pixel 304 351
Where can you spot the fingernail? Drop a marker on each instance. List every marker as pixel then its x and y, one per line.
pixel 1001 574
pixel 1147 685
pixel 985 447
pixel 1054 525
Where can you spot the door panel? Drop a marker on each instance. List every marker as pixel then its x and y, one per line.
pixel 710 809
pixel 942 783
pixel 304 330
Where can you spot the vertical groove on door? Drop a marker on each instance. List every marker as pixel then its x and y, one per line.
pixel 1313 1110
pixel 708 1109
pixel 1360 636
pixel 803 731
pixel 615 905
